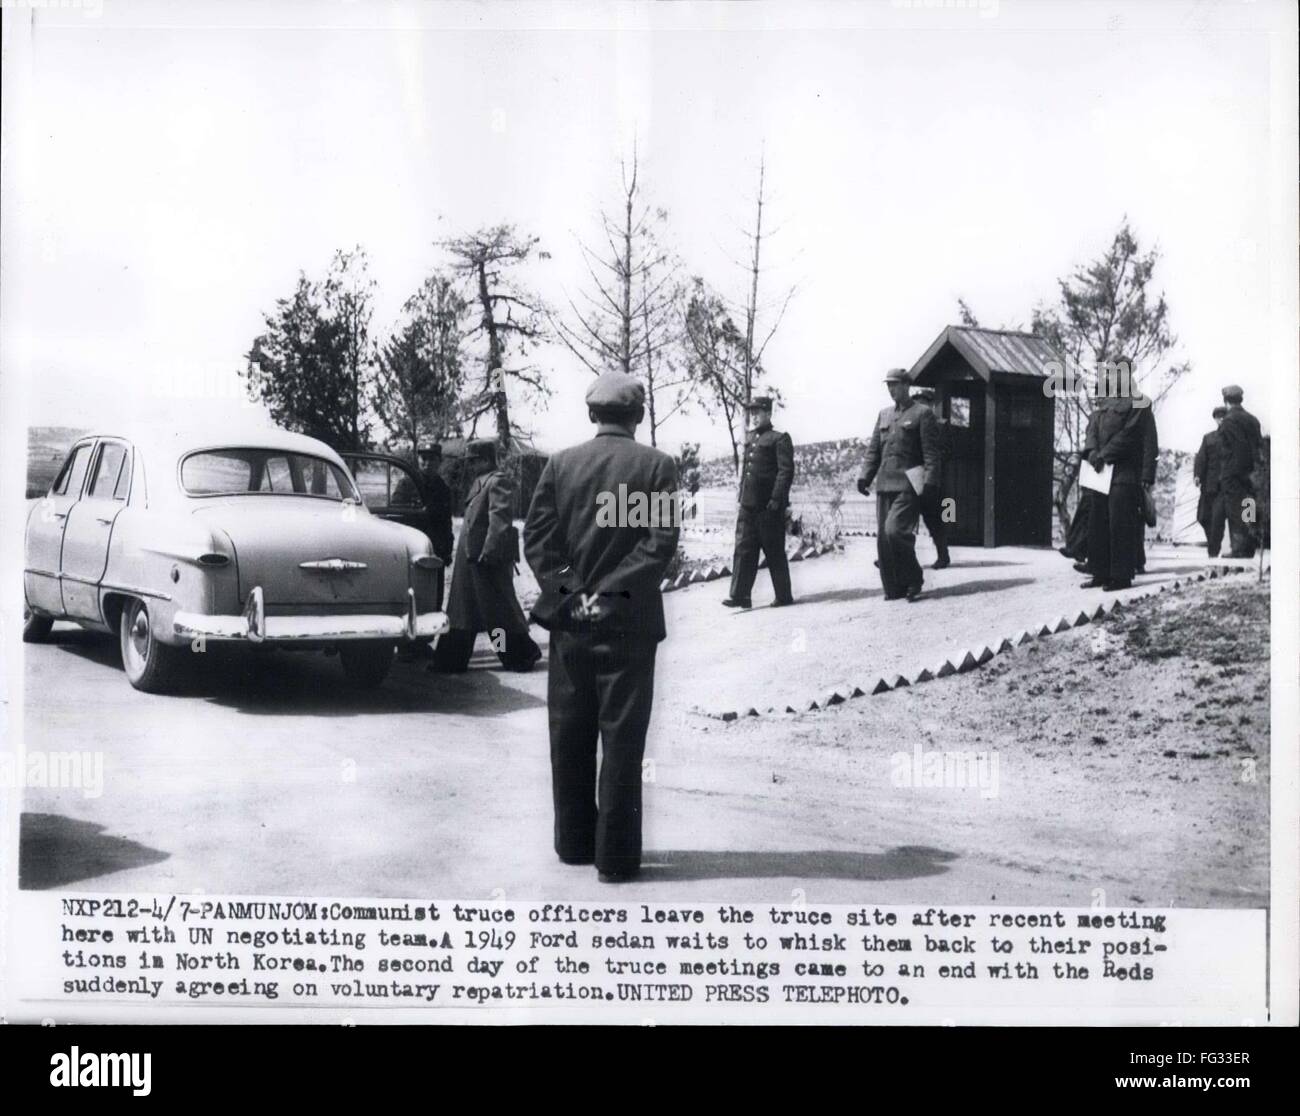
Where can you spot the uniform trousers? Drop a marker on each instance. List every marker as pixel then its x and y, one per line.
pixel 932 517
pixel 897 514
pixel 760 529
pixel 1114 522
pixel 516 649
pixel 600 686
pixel 1212 515
pixel 1239 495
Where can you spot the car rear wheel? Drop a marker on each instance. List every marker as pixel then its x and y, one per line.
pixel 36 629
pixel 150 666
pixel 366 664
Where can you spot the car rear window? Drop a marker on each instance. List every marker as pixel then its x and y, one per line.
pixel 237 471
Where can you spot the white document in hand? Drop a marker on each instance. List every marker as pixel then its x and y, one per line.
pixel 1096 479
pixel 917 476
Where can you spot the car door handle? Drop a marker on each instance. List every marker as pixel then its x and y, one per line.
pixel 106 520
pixel 58 515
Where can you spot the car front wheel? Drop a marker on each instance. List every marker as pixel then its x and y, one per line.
pixel 150 666
pixel 366 664
pixel 36 629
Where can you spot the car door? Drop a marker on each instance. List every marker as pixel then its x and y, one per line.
pixel 390 489
pixel 45 531
pixel 90 524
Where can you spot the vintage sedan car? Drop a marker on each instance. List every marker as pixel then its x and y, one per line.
pixel 258 536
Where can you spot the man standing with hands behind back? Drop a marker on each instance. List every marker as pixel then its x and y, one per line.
pixel 904 457
pixel 601 601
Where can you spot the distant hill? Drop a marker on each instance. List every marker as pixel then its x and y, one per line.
pixel 47 446
pixel 831 463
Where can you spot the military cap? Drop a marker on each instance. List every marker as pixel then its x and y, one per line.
pixel 1233 394
pixel 759 403
pixel 616 390
pixel 482 447
pixel 430 449
pixel 1219 412
pixel 896 376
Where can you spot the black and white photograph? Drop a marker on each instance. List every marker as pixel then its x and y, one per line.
pixel 690 512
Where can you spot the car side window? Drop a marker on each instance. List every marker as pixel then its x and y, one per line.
pixel 74 472
pixel 405 489
pixel 372 480
pixel 108 471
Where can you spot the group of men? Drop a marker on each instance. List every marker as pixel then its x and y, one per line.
pixel 904 461
pixel 1107 536
pixel 599 581
pixel 1224 471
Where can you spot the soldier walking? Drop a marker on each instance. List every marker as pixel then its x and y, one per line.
pixel 932 498
pixel 1240 439
pixel 600 599
pixel 764 496
pixel 482 597
pixel 1207 471
pixel 903 457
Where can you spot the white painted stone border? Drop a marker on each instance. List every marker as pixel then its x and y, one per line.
pixel 977 656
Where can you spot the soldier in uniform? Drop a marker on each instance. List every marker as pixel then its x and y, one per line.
pixel 932 498
pixel 906 438
pixel 1122 436
pixel 1206 471
pixel 433 495
pixel 1240 439
pixel 482 597
pixel 437 500
pixel 764 496
pixel 601 601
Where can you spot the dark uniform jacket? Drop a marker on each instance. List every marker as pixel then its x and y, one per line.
pixel 572 554
pixel 1125 436
pixel 903 439
pixel 482 594
pixel 768 469
pixel 1240 439
pixel 437 502
pixel 1208 464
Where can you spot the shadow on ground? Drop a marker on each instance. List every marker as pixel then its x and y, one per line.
pixel 286 683
pixel 968 588
pixel 903 863
pixel 54 851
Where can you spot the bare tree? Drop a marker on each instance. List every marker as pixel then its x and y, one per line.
pixel 511 319
pixel 753 354
pixel 628 318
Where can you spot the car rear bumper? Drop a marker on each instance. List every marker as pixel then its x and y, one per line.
pixel 254 626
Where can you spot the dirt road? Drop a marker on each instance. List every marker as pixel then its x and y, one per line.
pixel 268 776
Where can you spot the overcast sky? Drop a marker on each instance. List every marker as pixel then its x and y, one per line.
pixel 178 165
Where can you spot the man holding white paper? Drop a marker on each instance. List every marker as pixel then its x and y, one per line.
pixel 1120 453
pixel 904 457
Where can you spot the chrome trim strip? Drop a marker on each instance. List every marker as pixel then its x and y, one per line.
pixel 135 591
pixel 331 565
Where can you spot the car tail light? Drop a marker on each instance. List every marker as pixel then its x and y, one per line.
pixel 427 562
pixel 212 558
